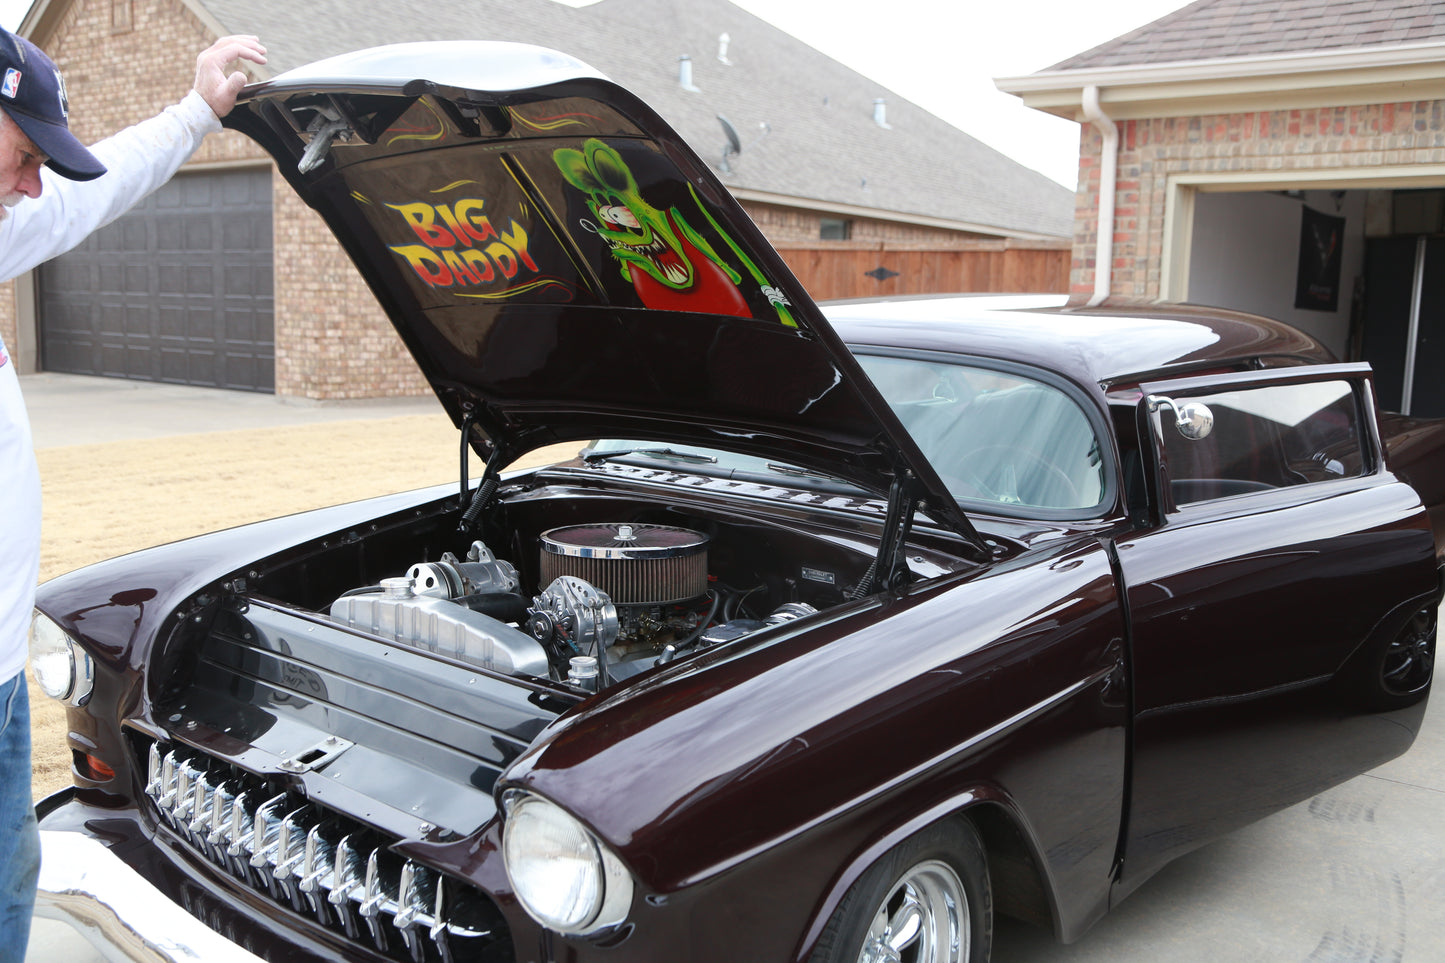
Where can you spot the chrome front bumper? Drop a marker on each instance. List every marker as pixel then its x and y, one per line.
pixel 118 911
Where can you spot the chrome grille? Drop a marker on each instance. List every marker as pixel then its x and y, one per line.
pixel 320 863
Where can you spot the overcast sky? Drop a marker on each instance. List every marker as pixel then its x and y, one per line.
pixel 944 54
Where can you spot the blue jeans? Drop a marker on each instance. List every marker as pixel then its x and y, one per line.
pixel 19 838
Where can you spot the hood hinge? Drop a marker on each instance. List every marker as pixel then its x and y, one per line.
pixel 897 523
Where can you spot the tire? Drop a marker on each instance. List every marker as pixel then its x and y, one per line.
pixel 1399 674
pixel 927 900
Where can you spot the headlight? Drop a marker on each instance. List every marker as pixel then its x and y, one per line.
pixel 566 879
pixel 61 667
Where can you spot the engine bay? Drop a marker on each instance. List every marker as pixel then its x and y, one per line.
pixel 567 579
pixel 612 600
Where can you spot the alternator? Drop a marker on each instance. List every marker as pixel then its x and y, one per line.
pixel 575 614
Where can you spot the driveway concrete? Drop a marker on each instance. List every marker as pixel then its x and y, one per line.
pixel 82 410
pixel 1354 875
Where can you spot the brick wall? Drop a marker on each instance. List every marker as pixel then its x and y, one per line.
pixel 1266 141
pixel 792 225
pixel 337 343
pixel 125 60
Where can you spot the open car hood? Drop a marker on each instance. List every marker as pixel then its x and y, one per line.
pixel 564 267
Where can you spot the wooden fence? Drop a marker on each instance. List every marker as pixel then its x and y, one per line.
pixel 861 270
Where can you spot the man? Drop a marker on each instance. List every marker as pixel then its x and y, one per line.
pixel 41 217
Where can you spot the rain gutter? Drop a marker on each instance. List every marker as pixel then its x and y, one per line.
pixel 1108 177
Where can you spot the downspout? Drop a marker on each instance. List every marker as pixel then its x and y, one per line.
pixel 1108 176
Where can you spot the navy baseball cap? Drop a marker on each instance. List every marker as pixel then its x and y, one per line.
pixel 33 95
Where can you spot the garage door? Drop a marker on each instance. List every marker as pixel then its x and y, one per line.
pixel 179 290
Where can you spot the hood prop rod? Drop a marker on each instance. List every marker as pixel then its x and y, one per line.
pixel 490 481
pixel 897 523
pixel 490 477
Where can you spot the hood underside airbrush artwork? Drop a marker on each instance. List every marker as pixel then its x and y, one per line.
pixel 564 267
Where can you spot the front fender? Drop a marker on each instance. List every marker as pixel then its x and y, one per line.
pixel 770 773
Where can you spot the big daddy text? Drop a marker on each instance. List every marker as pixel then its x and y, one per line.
pixel 460 246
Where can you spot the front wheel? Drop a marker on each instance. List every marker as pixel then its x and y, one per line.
pixel 926 901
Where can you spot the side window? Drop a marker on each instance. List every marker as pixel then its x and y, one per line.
pixel 1264 438
pixel 995 436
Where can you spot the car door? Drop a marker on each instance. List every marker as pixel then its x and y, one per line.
pixel 1277 559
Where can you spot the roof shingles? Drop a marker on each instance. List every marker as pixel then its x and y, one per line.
pixel 1210 29
pixel 805 120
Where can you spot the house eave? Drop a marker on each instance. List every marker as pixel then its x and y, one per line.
pixel 40 22
pixel 1362 75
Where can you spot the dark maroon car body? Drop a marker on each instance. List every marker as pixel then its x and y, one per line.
pixel 1095 689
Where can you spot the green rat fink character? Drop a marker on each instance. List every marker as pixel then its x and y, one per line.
pixel 669 264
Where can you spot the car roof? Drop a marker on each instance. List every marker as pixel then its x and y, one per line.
pixel 1117 343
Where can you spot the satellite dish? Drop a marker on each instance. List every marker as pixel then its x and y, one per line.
pixel 734 145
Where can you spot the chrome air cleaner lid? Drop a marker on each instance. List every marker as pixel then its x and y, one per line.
pixel 634 563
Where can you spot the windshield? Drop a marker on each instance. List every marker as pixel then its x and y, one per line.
pixel 994 437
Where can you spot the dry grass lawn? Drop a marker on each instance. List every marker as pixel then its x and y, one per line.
pixel 109 499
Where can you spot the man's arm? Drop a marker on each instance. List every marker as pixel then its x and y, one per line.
pixel 138 160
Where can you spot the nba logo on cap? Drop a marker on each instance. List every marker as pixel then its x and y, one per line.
pixel 11 84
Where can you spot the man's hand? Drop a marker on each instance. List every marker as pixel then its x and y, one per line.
pixel 212 82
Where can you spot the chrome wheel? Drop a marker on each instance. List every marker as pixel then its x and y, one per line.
pixel 926 900
pixel 924 919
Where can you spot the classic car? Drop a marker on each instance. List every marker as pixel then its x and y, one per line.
pixel 846 629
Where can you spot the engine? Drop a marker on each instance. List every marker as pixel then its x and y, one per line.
pixel 613 600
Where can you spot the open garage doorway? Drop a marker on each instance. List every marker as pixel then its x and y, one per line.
pixel 1359 266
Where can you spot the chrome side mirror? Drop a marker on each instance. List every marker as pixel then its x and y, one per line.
pixel 1193 419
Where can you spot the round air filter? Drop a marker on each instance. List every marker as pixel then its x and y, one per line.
pixel 634 564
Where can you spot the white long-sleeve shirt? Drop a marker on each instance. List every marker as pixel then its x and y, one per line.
pixel 138 160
